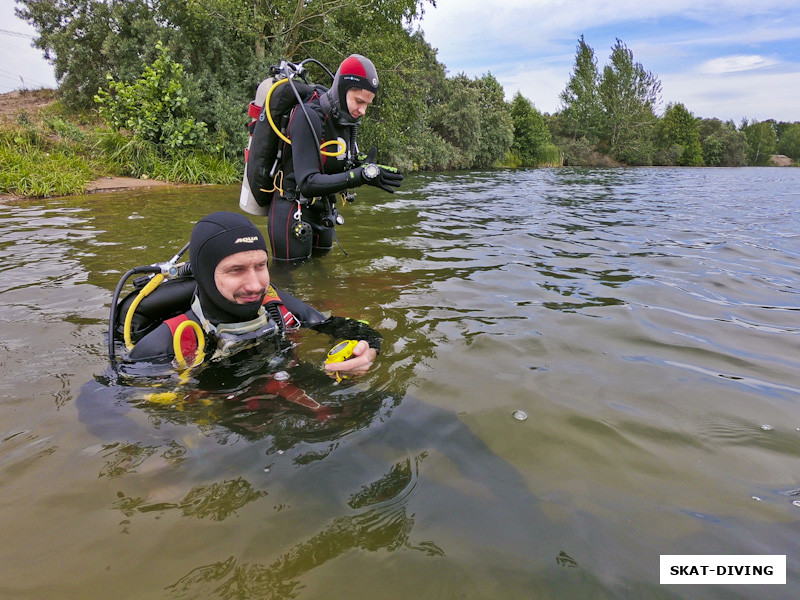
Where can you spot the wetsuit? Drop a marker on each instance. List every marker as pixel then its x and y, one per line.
pixel 310 181
pixel 285 311
pixel 303 215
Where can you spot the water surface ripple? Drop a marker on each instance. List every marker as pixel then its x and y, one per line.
pixel 646 321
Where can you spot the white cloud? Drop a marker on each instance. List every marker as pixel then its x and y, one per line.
pixel 733 96
pixel 736 64
pixel 541 86
pixel 707 54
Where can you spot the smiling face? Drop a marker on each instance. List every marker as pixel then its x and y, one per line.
pixel 243 277
pixel 357 101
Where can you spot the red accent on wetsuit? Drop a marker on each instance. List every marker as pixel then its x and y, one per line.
pixel 188 336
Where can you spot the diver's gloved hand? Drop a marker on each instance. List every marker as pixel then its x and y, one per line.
pixel 380 176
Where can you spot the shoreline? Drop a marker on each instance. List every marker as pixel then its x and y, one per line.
pixel 113 184
pixel 105 184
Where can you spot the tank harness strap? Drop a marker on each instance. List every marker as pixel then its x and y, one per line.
pixel 189 342
pixel 289 320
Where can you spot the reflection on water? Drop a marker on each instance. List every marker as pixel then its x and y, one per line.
pixel 382 524
pixel 646 321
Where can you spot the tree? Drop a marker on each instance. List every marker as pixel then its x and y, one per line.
pixel 531 134
pixel 761 142
pixel 497 128
pixel 85 39
pixel 226 48
pixel 474 120
pixel 789 142
pixel 722 144
pixel 678 129
pixel 581 108
pixel 458 120
pixel 629 95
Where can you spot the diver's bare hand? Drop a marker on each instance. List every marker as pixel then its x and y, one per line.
pixel 360 363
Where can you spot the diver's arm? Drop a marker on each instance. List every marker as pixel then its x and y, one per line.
pixel 343 328
pixel 306 160
pixel 339 328
pixel 364 353
pixel 304 312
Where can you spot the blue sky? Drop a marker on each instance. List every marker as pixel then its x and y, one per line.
pixel 729 59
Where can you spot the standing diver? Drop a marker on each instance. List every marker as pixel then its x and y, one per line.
pixel 302 218
pixel 234 306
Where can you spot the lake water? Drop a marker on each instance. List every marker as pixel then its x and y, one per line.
pixel 646 321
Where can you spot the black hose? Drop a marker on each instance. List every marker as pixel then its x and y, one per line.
pixel 352 151
pixel 308 119
pixel 112 319
pixel 314 60
pixel 185 270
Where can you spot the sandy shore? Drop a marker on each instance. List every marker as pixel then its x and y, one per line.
pixel 109 184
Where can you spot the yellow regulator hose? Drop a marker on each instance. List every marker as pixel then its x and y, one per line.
pixel 151 285
pixel 286 139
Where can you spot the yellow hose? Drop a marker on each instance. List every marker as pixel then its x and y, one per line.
pixel 339 143
pixel 176 344
pixel 151 285
pixel 322 150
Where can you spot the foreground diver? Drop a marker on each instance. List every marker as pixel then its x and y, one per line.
pixel 302 218
pixel 237 308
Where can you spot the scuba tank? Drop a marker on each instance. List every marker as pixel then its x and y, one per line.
pixel 270 112
pixel 247 201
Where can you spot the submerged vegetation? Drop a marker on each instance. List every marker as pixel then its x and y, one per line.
pixel 161 90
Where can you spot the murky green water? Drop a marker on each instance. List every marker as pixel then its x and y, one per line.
pixel 646 320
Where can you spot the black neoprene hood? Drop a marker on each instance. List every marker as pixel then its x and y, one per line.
pixel 215 237
pixel 356 71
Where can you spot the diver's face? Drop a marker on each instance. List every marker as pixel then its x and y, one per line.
pixel 357 101
pixel 243 277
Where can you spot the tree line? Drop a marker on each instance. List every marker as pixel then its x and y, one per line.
pixel 180 74
pixel 612 114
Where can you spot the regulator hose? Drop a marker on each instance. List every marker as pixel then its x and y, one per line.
pixel 342 148
pixel 112 319
pixel 160 272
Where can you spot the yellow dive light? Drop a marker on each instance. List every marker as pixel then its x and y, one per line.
pixel 341 352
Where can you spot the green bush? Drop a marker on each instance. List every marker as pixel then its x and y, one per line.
pixel 137 158
pixel 155 107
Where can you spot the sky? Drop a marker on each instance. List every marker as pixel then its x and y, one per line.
pixel 21 65
pixel 729 59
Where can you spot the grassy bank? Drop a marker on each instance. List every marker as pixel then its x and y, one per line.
pixel 46 150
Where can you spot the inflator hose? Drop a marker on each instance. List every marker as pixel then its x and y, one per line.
pixel 151 285
pixel 176 344
pixel 112 320
pixel 342 148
